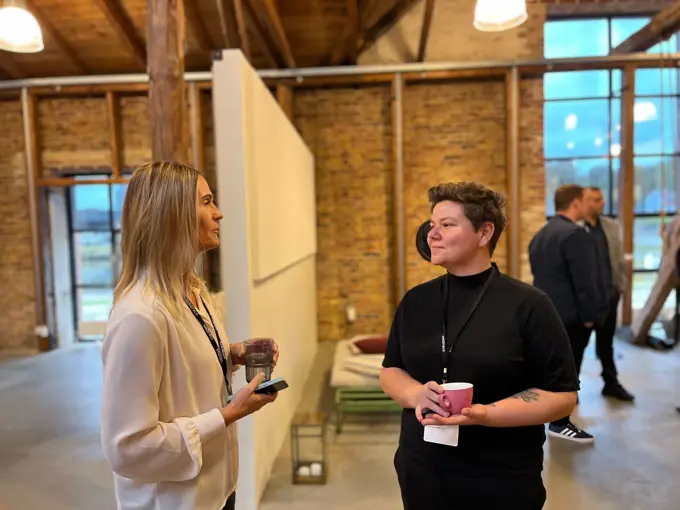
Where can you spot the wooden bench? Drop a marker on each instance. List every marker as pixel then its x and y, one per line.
pixel 361 400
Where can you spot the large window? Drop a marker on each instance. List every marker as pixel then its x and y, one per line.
pixel 94 217
pixel 582 118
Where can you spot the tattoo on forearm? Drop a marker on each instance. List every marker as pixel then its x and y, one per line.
pixel 492 405
pixel 527 395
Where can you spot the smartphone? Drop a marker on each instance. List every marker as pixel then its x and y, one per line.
pixel 272 386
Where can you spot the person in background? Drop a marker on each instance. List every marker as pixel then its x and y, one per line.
pixel 168 425
pixel 478 326
pixel 563 261
pixel 605 233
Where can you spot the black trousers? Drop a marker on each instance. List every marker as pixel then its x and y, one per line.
pixel 604 342
pixel 578 337
pixel 425 487
pixel 231 502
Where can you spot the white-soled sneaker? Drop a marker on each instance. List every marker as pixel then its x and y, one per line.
pixel 570 432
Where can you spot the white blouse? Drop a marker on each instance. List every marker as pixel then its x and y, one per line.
pixel 161 427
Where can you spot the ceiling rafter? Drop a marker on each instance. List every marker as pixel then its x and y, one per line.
pixel 659 28
pixel 274 22
pixel 242 29
pixel 124 27
pixel 227 15
pixel 386 22
pixel 267 45
pixel 353 25
pixel 377 18
pixel 198 26
pixel 64 48
pixel 425 31
pixel 10 68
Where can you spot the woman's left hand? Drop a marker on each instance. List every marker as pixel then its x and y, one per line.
pixel 473 415
pixel 238 353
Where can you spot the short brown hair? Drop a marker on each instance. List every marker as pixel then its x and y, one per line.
pixel 566 194
pixel 480 205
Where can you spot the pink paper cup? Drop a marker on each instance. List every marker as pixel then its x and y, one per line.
pixel 457 395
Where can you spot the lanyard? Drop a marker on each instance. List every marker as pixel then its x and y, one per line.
pixel 217 345
pixel 446 347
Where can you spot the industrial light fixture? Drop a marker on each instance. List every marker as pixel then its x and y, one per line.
pixel 499 15
pixel 19 30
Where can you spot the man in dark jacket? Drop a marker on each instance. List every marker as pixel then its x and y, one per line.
pixel 564 262
pixel 605 232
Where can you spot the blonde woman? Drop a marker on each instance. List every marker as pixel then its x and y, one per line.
pixel 168 427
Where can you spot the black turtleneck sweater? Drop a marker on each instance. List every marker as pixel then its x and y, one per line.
pixel 514 341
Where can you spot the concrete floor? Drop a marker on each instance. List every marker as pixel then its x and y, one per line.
pixel 50 455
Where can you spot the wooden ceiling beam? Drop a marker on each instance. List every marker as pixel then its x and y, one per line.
pixel 425 31
pixel 266 44
pixel 274 22
pixel 121 23
pixel 353 25
pixel 348 44
pixel 660 28
pixel 242 29
pixel 64 48
pixel 227 15
pixel 9 66
pixel 377 17
pixel 198 26
pixel 373 10
pixel 386 22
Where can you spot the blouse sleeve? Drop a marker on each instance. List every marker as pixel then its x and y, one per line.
pixel 136 444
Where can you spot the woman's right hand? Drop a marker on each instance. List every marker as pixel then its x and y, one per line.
pixel 245 401
pixel 428 398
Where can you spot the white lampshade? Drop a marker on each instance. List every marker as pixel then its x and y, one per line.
pixel 499 15
pixel 19 30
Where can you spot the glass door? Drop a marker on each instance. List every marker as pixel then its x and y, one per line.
pixel 94 219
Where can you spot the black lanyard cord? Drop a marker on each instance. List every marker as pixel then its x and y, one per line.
pixel 447 347
pixel 216 344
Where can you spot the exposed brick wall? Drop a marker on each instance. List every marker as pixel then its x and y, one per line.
pixel 349 132
pixel 72 133
pixel 17 299
pixel 532 168
pixel 451 129
pixel 452 132
pixel 135 136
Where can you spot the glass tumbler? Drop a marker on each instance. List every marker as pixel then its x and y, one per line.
pixel 259 357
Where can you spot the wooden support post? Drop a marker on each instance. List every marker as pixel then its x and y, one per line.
pixel 196 112
pixel 627 185
pixel 399 276
pixel 284 95
pixel 33 172
pixel 512 105
pixel 165 50
pixel 114 134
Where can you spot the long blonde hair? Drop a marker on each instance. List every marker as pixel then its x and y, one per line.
pixel 159 228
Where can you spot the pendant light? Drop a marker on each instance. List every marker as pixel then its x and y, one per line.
pixel 499 15
pixel 19 30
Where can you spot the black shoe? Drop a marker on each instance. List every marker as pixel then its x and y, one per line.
pixel 570 432
pixel 618 392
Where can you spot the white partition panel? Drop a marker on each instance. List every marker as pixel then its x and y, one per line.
pixel 265 189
